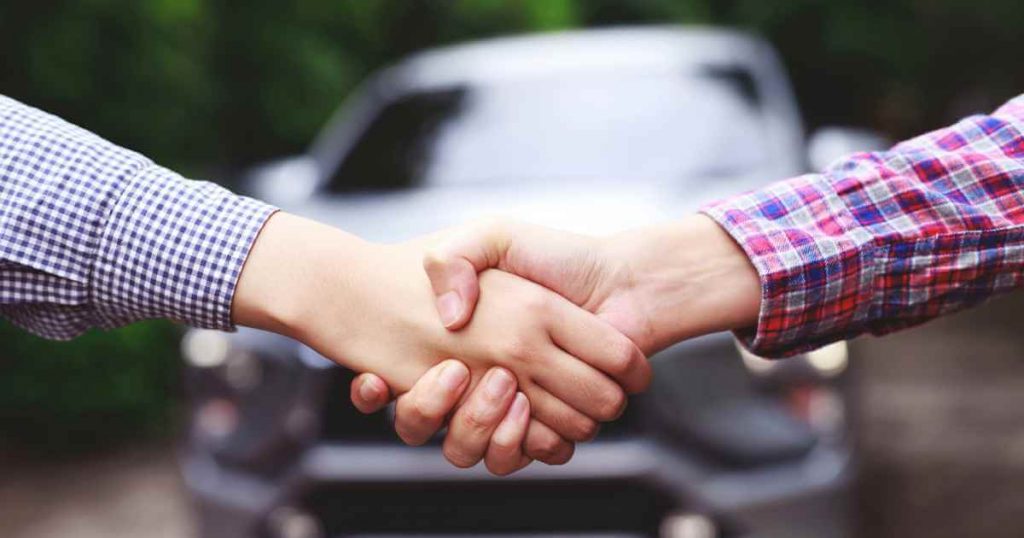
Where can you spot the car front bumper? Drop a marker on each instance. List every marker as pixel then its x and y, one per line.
pixel 805 498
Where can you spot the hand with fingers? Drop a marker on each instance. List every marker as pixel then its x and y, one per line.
pixel 573 367
pixel 657 286
pixel 490 423
pixel 567 397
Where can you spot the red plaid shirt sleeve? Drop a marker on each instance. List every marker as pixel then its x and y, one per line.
pixel 883 241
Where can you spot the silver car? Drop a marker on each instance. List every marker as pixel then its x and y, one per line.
pixel 592 131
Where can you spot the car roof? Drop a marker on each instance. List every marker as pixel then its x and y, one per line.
pixel 648 49
pixel 571 55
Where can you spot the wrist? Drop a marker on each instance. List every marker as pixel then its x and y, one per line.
pixel 290 266
pixel 352 301
pixel 691 278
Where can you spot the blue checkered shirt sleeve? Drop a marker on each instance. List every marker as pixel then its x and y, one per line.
pixel 94 235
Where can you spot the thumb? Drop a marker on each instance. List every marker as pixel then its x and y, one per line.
pixel 369 393
pixel 452 268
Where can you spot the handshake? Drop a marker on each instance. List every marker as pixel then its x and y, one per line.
pixel 521 339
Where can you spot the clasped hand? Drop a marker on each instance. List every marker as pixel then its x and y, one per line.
pixel 521 339
pixel 649 284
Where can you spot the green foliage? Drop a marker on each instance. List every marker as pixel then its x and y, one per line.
pixel 95 391
pixel 901 66
pixel 197 84
pixel 200 82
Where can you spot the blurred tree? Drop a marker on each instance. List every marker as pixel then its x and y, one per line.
pixel 104 388
pixel 200 82
pixel 201 85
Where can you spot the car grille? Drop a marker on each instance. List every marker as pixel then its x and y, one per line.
pixel 494 508
pixel 341 421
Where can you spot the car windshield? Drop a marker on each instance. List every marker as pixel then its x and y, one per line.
pixel 624 128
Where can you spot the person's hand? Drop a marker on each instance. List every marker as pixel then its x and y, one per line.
pixel 488 423
pixel 368 307
pixel 658 285
pixel 440 394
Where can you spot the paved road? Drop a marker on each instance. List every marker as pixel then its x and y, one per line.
pixel 130 494
pixel 942 427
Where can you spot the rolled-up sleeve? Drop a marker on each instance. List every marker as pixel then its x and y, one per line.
pixel 95 235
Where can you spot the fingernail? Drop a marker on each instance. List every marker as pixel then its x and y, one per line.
pixel 510 429
pixel 453 375
pixel 368 391
pixel 498 383
pixel 449 306
pixel 519 406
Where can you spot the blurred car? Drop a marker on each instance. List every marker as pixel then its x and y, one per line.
pixel 593 131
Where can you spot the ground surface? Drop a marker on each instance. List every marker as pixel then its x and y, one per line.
pixel 132 493
pixel 941 421
pixel 942 427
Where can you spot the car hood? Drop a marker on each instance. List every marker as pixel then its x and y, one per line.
pixel 592 208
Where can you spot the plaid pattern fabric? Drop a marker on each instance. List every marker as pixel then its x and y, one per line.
pixel 887 240
pixel 94 235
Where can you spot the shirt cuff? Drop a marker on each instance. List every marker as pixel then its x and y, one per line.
pixel 173 248
pixel 815 264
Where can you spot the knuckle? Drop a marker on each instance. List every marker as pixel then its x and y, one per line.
pixel 622 357
pixel 408 436
pixel 420 411
pixel 558 454
pixel 412 426
pixel 541 453
pixel 612 405
pixel 476 419
pixel 458 457
pixel 501 459
pixel 546 448
pixel 500 467
pixel 503 445
pixel 585 430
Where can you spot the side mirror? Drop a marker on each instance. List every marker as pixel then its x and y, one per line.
pixel 283 182
pixel 830 143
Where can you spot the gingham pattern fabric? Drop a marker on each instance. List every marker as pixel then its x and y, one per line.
pixel 887 240
pixel 94 235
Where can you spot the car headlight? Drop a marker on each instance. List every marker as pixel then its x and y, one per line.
pixel 251 400
pixel 804 383
pixel 205 349
pixel 828 361
pixel 212 351
pixel 688 526
pixel 755 364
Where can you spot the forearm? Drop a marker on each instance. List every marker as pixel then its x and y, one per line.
pixel 279 281
pixel 311 282
pixel 366 306
pixel 95 235
pixel 886 240
pixel 369 307
pixel 690 278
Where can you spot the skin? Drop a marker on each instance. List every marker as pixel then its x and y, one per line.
pixel 652 284
pixel 369 307
pixel 500 437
